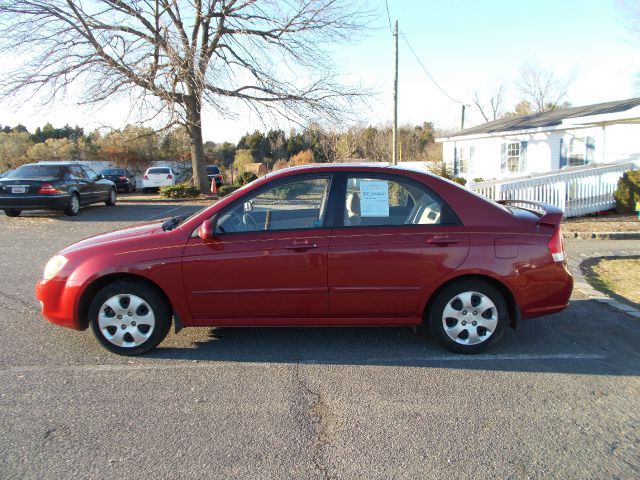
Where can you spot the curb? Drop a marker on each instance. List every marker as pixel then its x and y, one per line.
pixel 603 235
pixel 585 288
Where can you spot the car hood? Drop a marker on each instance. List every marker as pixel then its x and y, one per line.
pixel 124 238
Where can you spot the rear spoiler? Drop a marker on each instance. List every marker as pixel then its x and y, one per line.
pixel 549 214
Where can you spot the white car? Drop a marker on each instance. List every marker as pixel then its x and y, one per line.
pixel 157 177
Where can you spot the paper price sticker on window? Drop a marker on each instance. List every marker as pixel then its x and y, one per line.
pixel 374 198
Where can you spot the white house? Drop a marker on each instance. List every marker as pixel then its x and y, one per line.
pixel 544 142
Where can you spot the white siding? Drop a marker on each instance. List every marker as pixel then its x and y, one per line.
pixel 612 143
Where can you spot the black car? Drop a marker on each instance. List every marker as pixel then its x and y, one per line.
pixel 54 186
pixel 214 172
pixel 125 180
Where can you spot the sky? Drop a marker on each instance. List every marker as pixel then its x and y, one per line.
pixel 467 46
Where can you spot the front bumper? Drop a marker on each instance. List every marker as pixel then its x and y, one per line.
pixel 34 202
pixel 58 300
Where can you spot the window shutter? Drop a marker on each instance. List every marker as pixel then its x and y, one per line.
pixel 591 149
pixel 455 161
pixel 523 157
pixel 503 159
pixel 563 153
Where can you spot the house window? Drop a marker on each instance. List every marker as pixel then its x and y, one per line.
pixel 464 160
pixel 513 157
pixel 577 152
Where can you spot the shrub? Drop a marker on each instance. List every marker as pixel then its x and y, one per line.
pixel 227 189
pixel 302 158
pixel 245 177
pixel 628 192
pixel 460 180
pixel 478 180
pixel 180 190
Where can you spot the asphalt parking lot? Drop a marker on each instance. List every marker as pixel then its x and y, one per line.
pixel 558 398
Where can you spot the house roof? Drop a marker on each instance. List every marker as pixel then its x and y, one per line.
pixel 549 119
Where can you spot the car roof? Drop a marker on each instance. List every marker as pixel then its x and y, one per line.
pixel 355 167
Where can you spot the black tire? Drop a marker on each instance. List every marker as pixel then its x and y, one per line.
pixel 145 190
pixel 111 199
pixel 73 207
pixel 478 316
pixel 153 313
pixel 12 212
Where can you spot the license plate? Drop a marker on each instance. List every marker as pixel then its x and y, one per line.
pixel 18 189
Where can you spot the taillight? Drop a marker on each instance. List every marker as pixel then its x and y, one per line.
pixel 556 246
pixel 48 189
pixel 169 177
pixel 122 178
pixel 146 177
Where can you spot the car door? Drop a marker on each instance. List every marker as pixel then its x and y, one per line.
pixel 79 179
pixel 394 238
pixel 268 257
pixel 99 189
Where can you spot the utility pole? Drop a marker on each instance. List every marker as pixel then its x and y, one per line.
pixel 394 160
pixel 462 122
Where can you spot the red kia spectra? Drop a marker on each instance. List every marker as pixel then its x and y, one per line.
pixel 320 245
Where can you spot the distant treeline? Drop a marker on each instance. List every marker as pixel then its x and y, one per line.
pixel 136 147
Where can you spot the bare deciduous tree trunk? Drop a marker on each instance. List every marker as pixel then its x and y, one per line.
pixel 173 57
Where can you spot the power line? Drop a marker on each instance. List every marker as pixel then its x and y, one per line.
pixel 386 3
pixel 427 72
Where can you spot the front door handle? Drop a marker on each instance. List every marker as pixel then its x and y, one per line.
pixel 304 245
pixel 442 240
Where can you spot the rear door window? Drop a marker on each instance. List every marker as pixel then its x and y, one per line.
pixel 390 201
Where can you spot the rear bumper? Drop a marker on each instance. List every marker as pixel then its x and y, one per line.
pixel 548 292
pixel 34 202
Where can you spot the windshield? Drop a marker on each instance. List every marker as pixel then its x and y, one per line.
pixel 36 171
pixel 112 171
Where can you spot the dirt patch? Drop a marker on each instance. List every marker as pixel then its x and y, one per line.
pixel 605 223
pixel 618 277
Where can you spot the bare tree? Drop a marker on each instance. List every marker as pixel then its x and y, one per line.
pixel 542 89
pixel 494 110
pixel 172 57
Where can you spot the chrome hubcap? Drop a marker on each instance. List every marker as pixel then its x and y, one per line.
pixel 126 320
pixel 75 203
pixel 470 318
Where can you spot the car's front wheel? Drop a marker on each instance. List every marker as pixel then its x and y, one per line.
pixel 468 316
pixel 129 317
pixel 10 212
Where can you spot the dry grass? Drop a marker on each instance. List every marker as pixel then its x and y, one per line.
pixel 606 223
pixel 620 276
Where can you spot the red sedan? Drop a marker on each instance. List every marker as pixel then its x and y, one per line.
pixel 321 245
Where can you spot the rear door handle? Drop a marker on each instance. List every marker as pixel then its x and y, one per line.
pixel 442 240
pixel 302 246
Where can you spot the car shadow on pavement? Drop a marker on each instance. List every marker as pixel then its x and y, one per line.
pixel 587 338
pixel 121 213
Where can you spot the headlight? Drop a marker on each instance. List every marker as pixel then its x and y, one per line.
pixel 54 266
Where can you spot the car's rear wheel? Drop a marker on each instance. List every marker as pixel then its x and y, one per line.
pixel 111 199
pixel 11 212
pixel 468 316
pixel 129 317
pixel 73 207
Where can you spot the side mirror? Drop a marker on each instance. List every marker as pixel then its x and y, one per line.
pixel 248 207
pixel 100 177
pixel 206 229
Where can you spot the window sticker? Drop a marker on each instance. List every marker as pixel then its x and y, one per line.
pixel 374 198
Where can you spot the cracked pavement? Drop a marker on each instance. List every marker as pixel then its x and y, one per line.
pixel 557 398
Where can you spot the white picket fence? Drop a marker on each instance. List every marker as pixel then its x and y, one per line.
pixel 577 190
